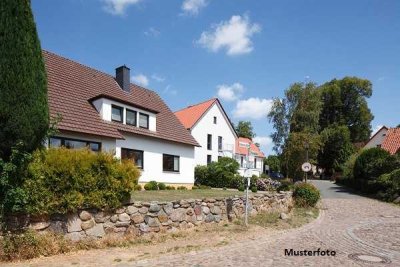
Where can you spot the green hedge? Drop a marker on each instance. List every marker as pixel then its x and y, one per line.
pixel 306 195
pixel 65 180
pixel 372 163
pixel 223 173
pixel 151 186
pixel 389 185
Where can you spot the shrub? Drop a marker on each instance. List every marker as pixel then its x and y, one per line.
pixel 170 187
pixel 137 187
pixel 151 186
pixel 286 185
pixel 64 180
pixel 181 187
pixel 389 185
pixel 195 187
pixel 372 163
pixel 219 174
pixel 253 189
pixel 306 195
pixel 224 188
pixel 241 188
pixel 162 186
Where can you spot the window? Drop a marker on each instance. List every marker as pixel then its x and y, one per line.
pixel 116 113
pixel 219 143
pixel 170 163
pixel 215 120
pixel 132 154
pixel 255 163
pixel 131 117
pixel 143 121
pixel 241 162
pixel 209 141
pixel 209 159
pixel 73 143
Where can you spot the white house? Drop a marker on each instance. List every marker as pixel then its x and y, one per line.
pixel 211 127
pixel 377 139
pixel 250 157
pixel 108 113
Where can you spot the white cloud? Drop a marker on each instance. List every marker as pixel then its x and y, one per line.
pixel 264 141
pixel 152 32
pixel 230 92
pixel 141 79
pixel 193 7
pixel 233 35
pixel 253 108
pixel 118 7
pixel 158 78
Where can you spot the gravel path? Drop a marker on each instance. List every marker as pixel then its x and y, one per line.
pixel 348 224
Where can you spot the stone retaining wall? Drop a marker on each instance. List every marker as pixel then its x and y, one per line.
pixel 144 217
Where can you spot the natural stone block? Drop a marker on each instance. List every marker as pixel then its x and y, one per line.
pixel 85 216
pixel 120 210
pixel 215 210
pixel 183 225
pixel 154 207
pixel 101 217
pixel 168 208
pixel 190 211
pixel 58 227
pixel 74 223
pixel 96 231
pixel 88 224
pixel 197 209
pixel 143 210
pixel 75 236
pixel 124 217
pixel 163 218
pixel 144 228
pixel 114 218
pixel 151 221
pixel 206 210
pixel 39 225
pixel 209 218
pixel 131 210
pixel 178 215
pixel 122 224
pixel 137 218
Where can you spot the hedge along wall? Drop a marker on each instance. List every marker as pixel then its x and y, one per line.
pixel 143 217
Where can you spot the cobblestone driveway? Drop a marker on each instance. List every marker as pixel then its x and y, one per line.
pixel 348 224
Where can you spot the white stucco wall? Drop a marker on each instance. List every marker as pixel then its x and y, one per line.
pixel 377 140
pixel 103 106
pixel 257 170
pixel 206 126
pixel 153 159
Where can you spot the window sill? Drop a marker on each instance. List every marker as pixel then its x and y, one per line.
pixel 176 172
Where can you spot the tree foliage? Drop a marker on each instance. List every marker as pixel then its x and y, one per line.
pixel 23 94
pixel 336 148
pixel 273 163
pixel 245 129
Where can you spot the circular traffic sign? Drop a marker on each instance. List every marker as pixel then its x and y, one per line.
pixel 306 167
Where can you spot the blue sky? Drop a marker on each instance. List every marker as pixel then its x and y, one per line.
pixel 245 51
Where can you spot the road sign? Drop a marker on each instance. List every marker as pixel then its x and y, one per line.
pixel 306 167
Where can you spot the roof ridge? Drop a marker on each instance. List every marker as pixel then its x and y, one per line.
pixel 190 106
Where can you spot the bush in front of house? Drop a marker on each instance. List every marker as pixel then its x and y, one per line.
pixel 162 186
pixel 306 195
pixel 223 173
pixel 241 188
pixel 253 189
pixel 389 186
pixel 137 187
pixel 151 186
pixel 61 180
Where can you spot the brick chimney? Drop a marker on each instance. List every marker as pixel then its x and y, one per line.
pixel 123 77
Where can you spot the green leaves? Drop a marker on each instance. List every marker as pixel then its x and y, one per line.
pixel 245 129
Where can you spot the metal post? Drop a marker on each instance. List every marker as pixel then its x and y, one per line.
pixel 247 187
pixel 307 146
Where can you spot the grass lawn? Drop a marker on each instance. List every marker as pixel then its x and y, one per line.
pixel 170 195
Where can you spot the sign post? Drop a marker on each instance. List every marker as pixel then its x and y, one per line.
pixel 306 167
pixel 247 201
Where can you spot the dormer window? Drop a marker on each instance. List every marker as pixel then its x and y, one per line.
pixel 131 117
pixel 143 121
pixel 117 113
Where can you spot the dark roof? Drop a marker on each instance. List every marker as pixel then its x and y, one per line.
pixel 72 87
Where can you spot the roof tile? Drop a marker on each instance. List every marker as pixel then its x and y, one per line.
pixel 392 141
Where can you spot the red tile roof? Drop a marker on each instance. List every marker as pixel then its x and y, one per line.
pixel 392 141
pixel 190 116
pixel 244 150
pixel 72 86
